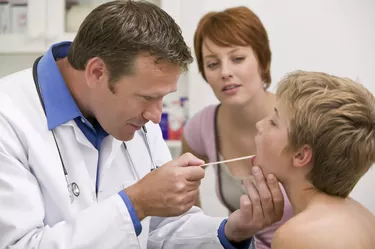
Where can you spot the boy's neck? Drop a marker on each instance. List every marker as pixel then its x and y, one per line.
pixel 300 194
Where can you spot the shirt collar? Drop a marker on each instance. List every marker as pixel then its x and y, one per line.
pixel 59 103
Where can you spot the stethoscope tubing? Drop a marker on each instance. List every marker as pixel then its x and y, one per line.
pixel 73 187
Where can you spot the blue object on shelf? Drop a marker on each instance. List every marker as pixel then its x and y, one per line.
pixel 164 125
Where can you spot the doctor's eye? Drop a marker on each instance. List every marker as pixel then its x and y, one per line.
pixel 147 98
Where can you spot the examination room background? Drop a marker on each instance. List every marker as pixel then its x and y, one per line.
pixel 335 36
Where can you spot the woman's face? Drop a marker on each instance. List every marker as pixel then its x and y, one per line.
pixel 232 72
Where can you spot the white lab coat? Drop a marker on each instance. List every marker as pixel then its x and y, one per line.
pixel 35 209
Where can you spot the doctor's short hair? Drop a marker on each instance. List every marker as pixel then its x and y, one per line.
pixel 237 26
pixel 336 117
pixel 119 31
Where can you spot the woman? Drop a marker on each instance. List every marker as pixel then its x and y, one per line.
pixel 234 57
pixel 319 142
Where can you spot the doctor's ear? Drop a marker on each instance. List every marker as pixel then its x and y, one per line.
pixel 303 156
pixel 96 72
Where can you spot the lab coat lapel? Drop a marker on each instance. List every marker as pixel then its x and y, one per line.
pixel 80 137
pixel 89 156
pixel 110 148
pixel 80 161
pixel 138 151
pixel 49 169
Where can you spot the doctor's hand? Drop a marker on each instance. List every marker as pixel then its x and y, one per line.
pixel 263 206
pixel 169 190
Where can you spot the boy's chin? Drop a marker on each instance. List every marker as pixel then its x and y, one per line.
pixel 253 160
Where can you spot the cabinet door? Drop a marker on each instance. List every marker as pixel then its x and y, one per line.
pixel 65 16
pixel 22 26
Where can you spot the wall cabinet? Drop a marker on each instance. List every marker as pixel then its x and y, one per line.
pixel 29 27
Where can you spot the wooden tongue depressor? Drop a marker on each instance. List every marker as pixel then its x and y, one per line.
pixel 227 161
pixel 251 177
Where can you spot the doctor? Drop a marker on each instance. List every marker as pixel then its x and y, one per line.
pixel 82 167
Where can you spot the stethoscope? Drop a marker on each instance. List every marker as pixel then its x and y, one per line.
pixel 73 187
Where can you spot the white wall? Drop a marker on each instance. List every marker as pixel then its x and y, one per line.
pixel 335 36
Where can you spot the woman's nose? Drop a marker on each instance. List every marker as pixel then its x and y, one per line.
pixel 226 72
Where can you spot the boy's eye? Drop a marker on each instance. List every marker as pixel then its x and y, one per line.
pixel 147 98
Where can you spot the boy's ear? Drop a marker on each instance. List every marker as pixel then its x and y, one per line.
pixel 303 156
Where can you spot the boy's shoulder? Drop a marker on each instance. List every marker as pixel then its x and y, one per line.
pixel 302 231
pixel 313 229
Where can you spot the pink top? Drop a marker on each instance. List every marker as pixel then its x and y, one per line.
pixel 199 133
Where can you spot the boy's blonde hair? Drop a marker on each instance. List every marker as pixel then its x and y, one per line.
pixel 336 118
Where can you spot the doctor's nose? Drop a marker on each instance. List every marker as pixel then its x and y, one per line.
pixel 153 113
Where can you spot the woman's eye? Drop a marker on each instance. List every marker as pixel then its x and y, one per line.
pixel 212 65
pixel 239 59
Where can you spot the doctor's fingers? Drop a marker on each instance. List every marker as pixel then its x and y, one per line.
pixel 246 208
pixel 188 159
pixel 257 211
pixel 277 197
pixel 265 195
pixel 193 173
pixel 183 186
pixel 191 197
pixel 192 185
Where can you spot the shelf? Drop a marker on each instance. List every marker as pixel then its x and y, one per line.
pixel 40 36
pixel 64 37
pixel 68 37
pixel 20 43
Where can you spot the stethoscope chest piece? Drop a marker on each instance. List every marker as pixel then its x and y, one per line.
pixel 74 189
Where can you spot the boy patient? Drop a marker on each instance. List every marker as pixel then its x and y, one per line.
pixel 319 142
